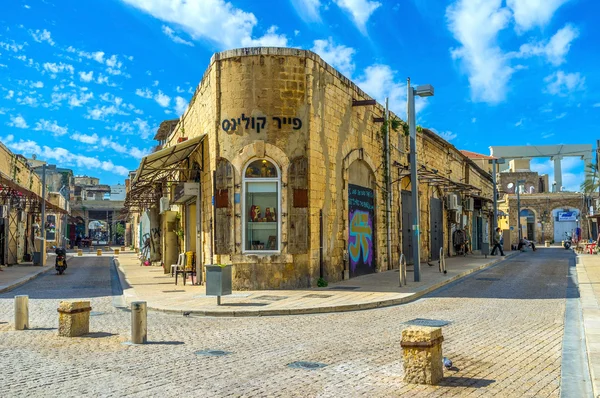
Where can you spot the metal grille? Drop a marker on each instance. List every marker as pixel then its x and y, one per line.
pixel 436 323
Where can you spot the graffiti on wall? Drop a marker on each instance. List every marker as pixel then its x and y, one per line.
pixel 361 230
pixel 258 123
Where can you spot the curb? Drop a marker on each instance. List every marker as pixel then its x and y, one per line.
pixel 25 279
pixel 129 295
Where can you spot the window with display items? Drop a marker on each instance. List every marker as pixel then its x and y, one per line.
pixel 262 198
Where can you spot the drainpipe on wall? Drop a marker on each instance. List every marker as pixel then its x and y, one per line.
pixel 321 271
pixel 388 187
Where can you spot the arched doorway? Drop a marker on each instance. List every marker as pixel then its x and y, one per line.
pixel 528 218
pixel 361 218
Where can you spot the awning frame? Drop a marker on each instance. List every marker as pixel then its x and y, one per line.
pixel 433 178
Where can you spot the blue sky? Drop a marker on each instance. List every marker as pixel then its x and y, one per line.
pixel 85 84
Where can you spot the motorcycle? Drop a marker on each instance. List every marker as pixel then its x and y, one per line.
pixel 61 260
pixel 568 242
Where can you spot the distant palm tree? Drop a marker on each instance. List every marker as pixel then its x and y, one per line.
pixel 592 179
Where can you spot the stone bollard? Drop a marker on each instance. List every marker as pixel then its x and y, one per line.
pixel 422 355
pixel 73 318
pixel 116 252
pixel 107 248
pixel 139 322
pixel 547 243
pixel 80 252
pixel 99 252
pixel 21 312
pixel 122 248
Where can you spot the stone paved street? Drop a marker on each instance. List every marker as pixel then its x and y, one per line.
pixel 504 337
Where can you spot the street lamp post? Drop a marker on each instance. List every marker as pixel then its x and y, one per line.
pixel 519 182
pixel 421 91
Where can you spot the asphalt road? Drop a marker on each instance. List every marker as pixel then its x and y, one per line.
pixel 505 336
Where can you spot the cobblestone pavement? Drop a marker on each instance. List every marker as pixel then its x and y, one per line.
pixel 504 339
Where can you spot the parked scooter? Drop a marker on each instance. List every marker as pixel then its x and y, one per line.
pixel 61 260
pixel 568 242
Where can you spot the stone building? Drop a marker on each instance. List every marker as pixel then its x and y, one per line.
pixel 278 168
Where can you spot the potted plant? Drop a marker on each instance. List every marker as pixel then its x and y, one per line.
pixel 218 280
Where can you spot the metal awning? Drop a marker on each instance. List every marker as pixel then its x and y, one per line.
pixel 156 167
pixel 160 163
pixel 9 190
pixel 433 178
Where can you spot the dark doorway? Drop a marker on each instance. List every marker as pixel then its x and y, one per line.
pixel 436 227
pixel 3 241
pixel 406 197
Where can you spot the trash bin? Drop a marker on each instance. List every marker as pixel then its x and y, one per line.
pixel 39 255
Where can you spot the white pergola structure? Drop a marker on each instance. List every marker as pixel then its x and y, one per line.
pixel 554 152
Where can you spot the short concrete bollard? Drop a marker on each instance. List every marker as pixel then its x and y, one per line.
pixel 422 355
pixel 107 248
pixel 80 252
pixel 139 322
pixel 99 252
pixel 116 252
pixel 122 248
pixel 547 243
pixel 73 318
pixel 21 312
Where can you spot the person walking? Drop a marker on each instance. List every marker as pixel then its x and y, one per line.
pixel 497 245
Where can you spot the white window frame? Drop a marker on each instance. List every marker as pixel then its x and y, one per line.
pixel 244 211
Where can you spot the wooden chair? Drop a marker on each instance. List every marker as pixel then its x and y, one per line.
pixel 188 268
pixel 180 262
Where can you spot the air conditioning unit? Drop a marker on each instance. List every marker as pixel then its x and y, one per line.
pixel 452 201
pixel 469 204
pixel 455 217
pixel 164 204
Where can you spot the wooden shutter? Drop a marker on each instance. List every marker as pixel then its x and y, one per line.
pixel 224 207
pixel 298 206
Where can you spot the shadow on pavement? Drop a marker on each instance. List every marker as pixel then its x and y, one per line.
pixel 454 381
pixel 166 342
pixel 97 335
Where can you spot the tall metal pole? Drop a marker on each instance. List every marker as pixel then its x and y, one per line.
pixel 495 222
pixel 519 210
pixel 388 186
pixel 43 222
pixel 414 182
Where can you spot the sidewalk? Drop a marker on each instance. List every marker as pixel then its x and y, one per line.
pixel 588 275
pixel 150 284
pixel 16 275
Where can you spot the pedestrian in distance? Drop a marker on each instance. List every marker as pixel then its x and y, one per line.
pixel 497 245
pixel 525 243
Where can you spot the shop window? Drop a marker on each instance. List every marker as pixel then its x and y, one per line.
pixel 262 199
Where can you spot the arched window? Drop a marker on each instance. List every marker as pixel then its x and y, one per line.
pixel 262 204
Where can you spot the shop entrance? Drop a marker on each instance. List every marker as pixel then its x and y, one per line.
pixel 435 227
pixel 406 197
pixel 3 241
pixel 529 217
pixel 361 243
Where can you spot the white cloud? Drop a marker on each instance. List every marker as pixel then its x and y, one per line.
pixel 162 99
pixel 101 79
pixel 27 100
pixel 51 126
pixel 548 135
pixel 101 112
pixel 155 83
pixel 556 49
pixel 476 24
pixel 14 47
pixel 134 152
pixel 596 105
pixel 572 171
pixel 338 56
pixel 55 68
pixel 531 13
pixel 561 83
pixel 308 9
pixel 519 123
pixel 18 122
pixel 10 94
pixel 145 93
pixel 180 105
pixel 379 82
pixel 446 135
pixel 269 39
pixel 83 98
pixel 360 10
pixel 473 120
pixel 144 130
pixel 27 6
pixel 41 36
pixel 86 77
pixel 171 34
pixel 113 62
pixel 62 157
pixel 179 90
pixel 560 116
pixel 86 139
pixel 215 20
